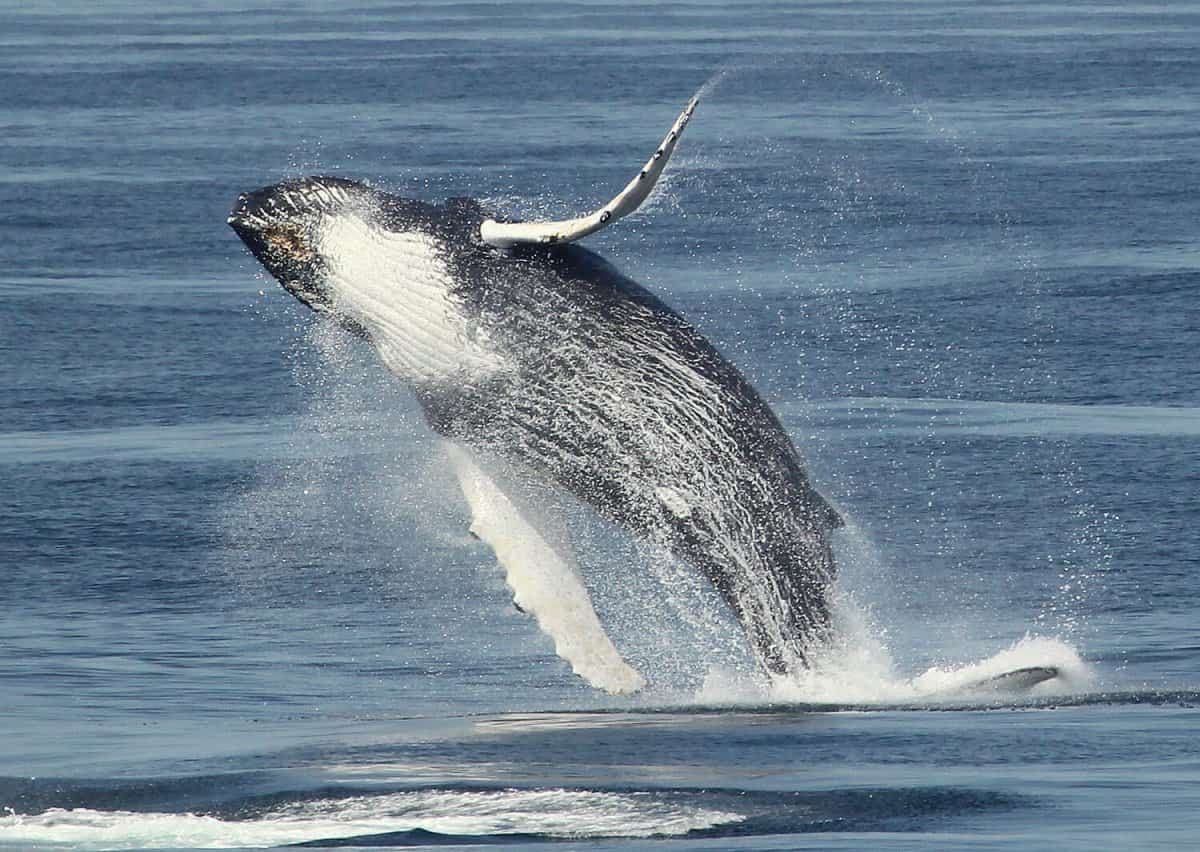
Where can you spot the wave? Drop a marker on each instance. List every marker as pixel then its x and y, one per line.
pixel 933 417
pixel 228 440
pixel 245 439
pixel 441 816
pixel 459 814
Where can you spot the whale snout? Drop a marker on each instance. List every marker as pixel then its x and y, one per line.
pixel 239 215
pixel 251 219
pixel 276 231
pixel 292 201
pixel 276 223
pixel 257 210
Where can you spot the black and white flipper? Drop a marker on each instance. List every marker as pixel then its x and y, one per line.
pixel 507 234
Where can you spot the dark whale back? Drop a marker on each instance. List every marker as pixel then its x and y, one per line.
pixel 619 399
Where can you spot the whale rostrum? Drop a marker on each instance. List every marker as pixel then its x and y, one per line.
pixel 506 234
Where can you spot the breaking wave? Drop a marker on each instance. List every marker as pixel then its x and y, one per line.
pixel 549 814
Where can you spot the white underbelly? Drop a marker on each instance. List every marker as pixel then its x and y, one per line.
pixel 397 285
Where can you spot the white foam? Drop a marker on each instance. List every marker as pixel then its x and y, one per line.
pixel 862 675
pixel 557 812
pixel 1031 651
pixel 858 669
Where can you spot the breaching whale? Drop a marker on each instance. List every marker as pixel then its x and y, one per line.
pixel 545 368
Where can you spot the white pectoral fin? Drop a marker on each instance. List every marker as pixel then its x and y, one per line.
pixel 544 579
pixel 506 234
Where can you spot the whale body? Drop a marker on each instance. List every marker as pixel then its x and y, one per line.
pixel 545 360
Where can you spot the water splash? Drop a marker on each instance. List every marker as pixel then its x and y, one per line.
pixel 863 674
pixel 714 82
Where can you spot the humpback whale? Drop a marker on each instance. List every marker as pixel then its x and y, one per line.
pixel 546 368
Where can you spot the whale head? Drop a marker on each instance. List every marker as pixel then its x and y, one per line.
pixel 391 269
pixel 281 225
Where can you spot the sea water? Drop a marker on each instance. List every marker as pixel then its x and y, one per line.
pixel 955 247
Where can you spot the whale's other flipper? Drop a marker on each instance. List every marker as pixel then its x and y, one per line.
pixel 1012 682
pixel 505 234
pixel 543 575
pixel 1017 680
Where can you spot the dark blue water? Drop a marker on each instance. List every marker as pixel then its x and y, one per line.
pixel 955 246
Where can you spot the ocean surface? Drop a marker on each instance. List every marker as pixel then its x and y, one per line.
pixel 955 245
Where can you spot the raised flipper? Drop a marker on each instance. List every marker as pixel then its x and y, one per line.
pixel 506 234
pixel 543 575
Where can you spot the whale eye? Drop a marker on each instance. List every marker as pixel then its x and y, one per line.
pixel 288 240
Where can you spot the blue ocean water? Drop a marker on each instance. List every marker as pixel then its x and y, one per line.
pixel 953 244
